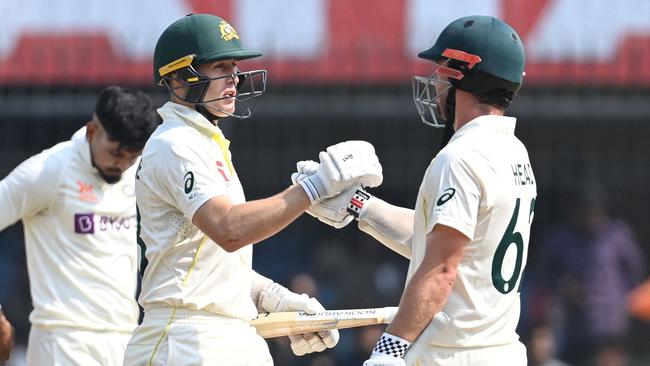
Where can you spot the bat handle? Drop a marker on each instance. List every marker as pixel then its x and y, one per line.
pixel 389 314
pixel 438 322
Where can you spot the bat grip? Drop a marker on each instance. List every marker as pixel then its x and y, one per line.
pixel 389 314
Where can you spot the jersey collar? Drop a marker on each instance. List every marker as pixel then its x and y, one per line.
pixel 502 124
pixel 171 110
pixel 195 119
pixel 82 145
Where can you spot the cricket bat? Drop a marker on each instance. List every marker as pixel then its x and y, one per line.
pixel 271 325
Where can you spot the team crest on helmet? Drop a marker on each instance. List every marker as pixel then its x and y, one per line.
pixel 227 31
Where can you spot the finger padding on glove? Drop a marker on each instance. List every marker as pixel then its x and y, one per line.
pixel 304 168
pixel 278 298
pixel 311 342
pixel 354 160
pixel 329 337
pixel 303 344
pixel 307 167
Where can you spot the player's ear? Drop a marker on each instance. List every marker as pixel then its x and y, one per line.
pixel 92 128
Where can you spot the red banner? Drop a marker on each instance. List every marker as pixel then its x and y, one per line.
pixel 61 42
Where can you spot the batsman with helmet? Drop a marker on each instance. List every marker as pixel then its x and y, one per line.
pixel 199 290
pixel 467 238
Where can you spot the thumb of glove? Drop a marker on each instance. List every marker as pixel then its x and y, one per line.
pixel 307 166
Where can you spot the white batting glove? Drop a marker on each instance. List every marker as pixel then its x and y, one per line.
pixel 304 169
pixel 275 297
pixel 341 166
pixel 337 211
pixel 332 211
pixel 389 351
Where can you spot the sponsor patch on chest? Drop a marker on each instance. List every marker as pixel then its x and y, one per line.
pixel 89 223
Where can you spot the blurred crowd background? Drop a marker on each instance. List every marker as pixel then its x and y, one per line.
pixel 342 70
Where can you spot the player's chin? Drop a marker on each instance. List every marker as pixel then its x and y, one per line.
pixel 228 104
pixel 111 177
pixel 222 107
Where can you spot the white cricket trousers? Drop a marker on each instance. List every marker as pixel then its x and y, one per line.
pixel 508 355
pixel 62 346
pixel 182 337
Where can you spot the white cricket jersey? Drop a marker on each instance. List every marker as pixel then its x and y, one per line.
pixel 482 185
pixel 185 163
pixel 80 238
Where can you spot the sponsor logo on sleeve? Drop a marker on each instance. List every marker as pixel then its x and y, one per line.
pixel 188 185
pixel 188 180
pixel 447 194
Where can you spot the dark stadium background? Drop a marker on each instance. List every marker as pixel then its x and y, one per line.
pixel 583 122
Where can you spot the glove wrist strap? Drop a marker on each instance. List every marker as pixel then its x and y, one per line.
pixel 390 345
pixel 314 187
pixel 358 203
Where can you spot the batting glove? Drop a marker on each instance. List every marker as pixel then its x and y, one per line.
pixel 337 211
pixel 275 297
pixel 341 166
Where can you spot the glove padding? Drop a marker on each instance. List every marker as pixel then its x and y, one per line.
pixel 341 166
pixel 333 211
pixel 276 298
pixel 357 160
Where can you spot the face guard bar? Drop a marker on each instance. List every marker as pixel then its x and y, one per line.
pixel 428 100
pixel 250 86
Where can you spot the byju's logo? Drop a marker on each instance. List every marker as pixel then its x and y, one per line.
pixel 84 223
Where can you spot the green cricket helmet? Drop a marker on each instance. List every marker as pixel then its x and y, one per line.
pixel 198 39
pixel 478 54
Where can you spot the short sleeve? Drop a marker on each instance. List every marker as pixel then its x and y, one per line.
pixel 453 195
pixel 190 176
pixel 29 189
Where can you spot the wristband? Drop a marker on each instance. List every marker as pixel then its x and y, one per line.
pixel 391 345
pixel 357 202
